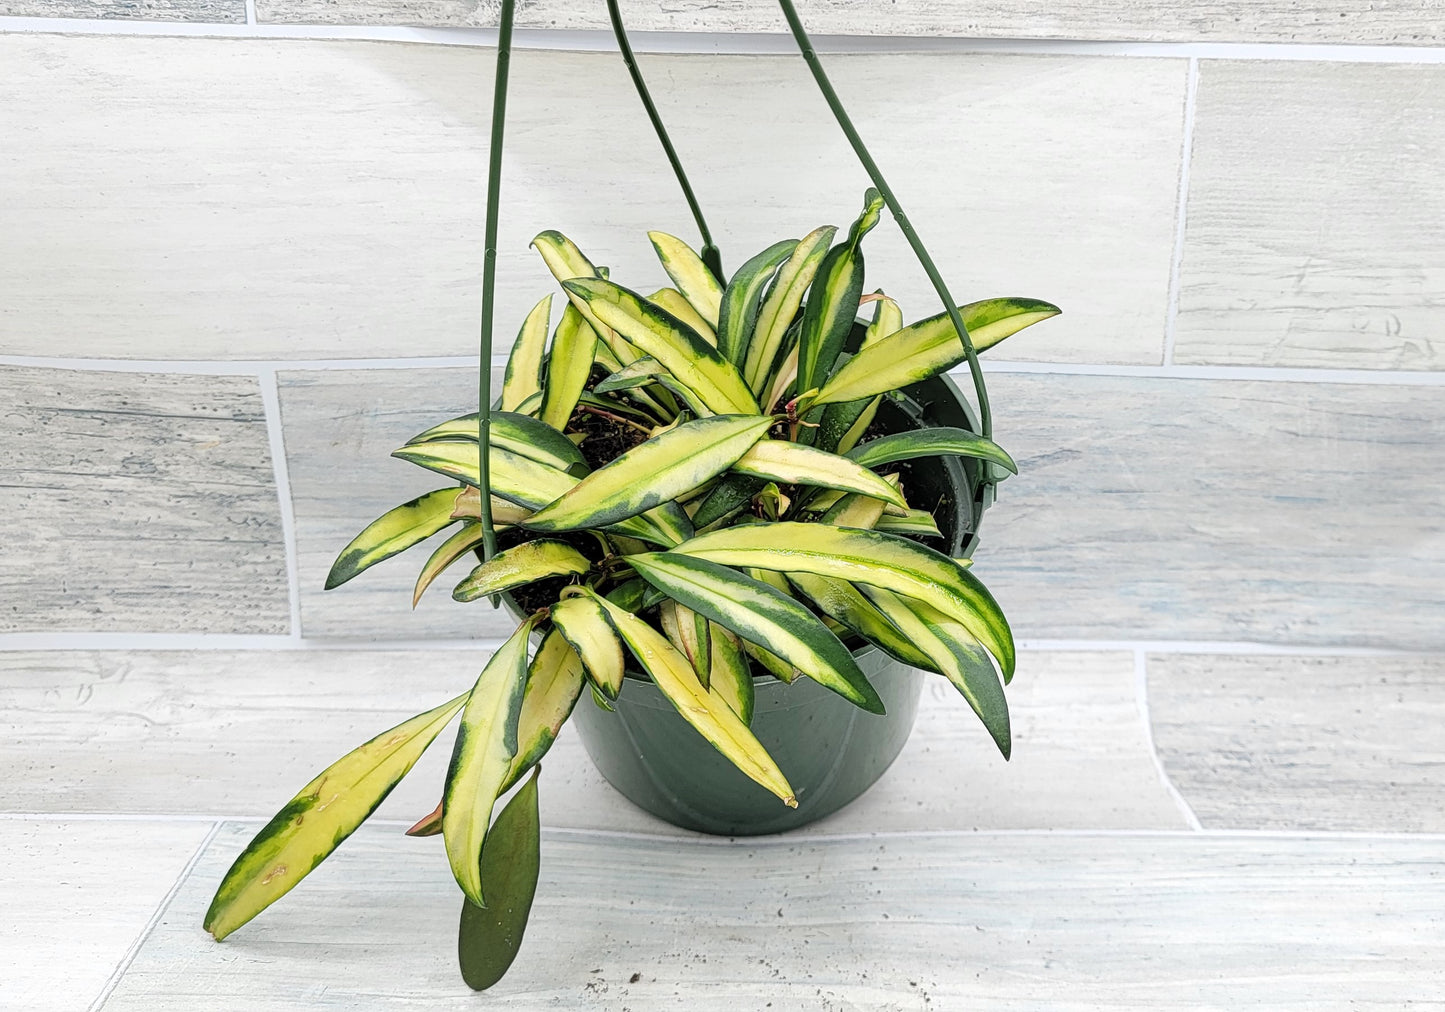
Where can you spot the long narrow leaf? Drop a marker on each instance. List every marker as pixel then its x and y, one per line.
pixel 654 472
pixel 449 551
pixel 488 938
pixel 394 531
pixel 516 567
pixel 931 442
pixel 524 366
pixel 554 684
pixel 670 300
pixel 792 463
pixel 691 360
pixel 844 424
pixel 731 676
pixel 482 759
pixel 689 274
pixel 781 305
pixel 833 301
pixel 585 627
pixel 521 434
pixel 762 615
pixel 313 823
pixel 865 557
pixel 573 348
pixel 709 714
pixel 957 654
pixel 567 262
pixel 845 603
pixel 739 309
pixel 928 348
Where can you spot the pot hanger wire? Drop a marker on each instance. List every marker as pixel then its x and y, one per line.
pixel 710 254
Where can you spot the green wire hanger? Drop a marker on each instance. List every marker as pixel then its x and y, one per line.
pixel 710 254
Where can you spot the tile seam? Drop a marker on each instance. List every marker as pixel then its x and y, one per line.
pixel 1176 264
pixel 734 43
pixel 276 440
pixel 155 919
pixel 1141 697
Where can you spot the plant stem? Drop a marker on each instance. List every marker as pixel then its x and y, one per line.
pixel 805 45
pixel 489 279
pixel 710 255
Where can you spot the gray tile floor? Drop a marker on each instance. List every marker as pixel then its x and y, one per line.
pixel 1073 877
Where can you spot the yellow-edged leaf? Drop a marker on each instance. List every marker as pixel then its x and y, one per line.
pixel 554 684
pixel 781 305
pixel 691 276
pixel 516 567
pixel 524 366
pixel 731 677
pixel 670 300
pixel 574 346
pixel 395 531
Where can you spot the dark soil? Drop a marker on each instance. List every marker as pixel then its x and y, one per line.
pixel 604 439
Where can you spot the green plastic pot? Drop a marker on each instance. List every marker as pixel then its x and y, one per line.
pixel 830 751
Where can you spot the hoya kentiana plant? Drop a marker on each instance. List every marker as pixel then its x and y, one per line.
pixel 686 484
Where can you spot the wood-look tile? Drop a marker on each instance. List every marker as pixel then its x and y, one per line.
pixel 1337 743
pixel 328 194
pixel 1003 922
pixel 1219 510
pixel 340 429
pixel 78 894
pixel 1402 22
pixel 211 11
pixel 137 502
pixel 1316 222
pixel 238 733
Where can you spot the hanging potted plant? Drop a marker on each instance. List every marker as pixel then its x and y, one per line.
pixel 731 512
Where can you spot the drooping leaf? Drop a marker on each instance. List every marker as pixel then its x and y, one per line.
pixel 781 305
pixel 845 603
pixel 573 348
pixel 654 472
pixel 488 938
pixel 731 677
pixel 449 551
pixel 521 434
pixel 585 627
pixel 640 373
pixel 833 302
pixel 691 360
pixel 516 567
pixel 930 442
pixel 795 464
pixel 763 615
pixel 469 507
pixel 524 366
pixel 957 654
pixel 865 557
pixel 917 523
pixel 739 308
pixel 394 531
pixel 689 274
pixel 689 632
pixel 482 759
pixel 313 823
pixel 928 348
pixel 708 713
pixel 554 684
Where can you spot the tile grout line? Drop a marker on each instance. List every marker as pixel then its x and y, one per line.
pixel 276 439
pixel 256 367
pixel 1141 697
pixel 1176 264
pixel 154 922
pixel 731 43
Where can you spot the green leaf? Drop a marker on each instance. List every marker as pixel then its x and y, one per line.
pixel 573 348
pixel 844 424
pixel 449 551
pixel 931 442
pixel 689 274
pixel 510 430
pixel 314 823
pixel 957 654
pixel 516 567
pixel 394 531
pixel 845 603
pixel 689 632
pixel 781 305
pixel 928 348
pixel 762 615
pixel 918 523
pixel 833 301
pixel 488 937
pixel 482 759
pixel 554 684
pixel 731 676
pixel 739 309
pixel 566 262
pixel 728 496
pixel 630 377
pixel 584 625
pixel 854 510
pixel 653 472
pixel 865 557
pixel 708 713
pixel 671 301
pixel 792 463
pixel 524 366
pixel 691 360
